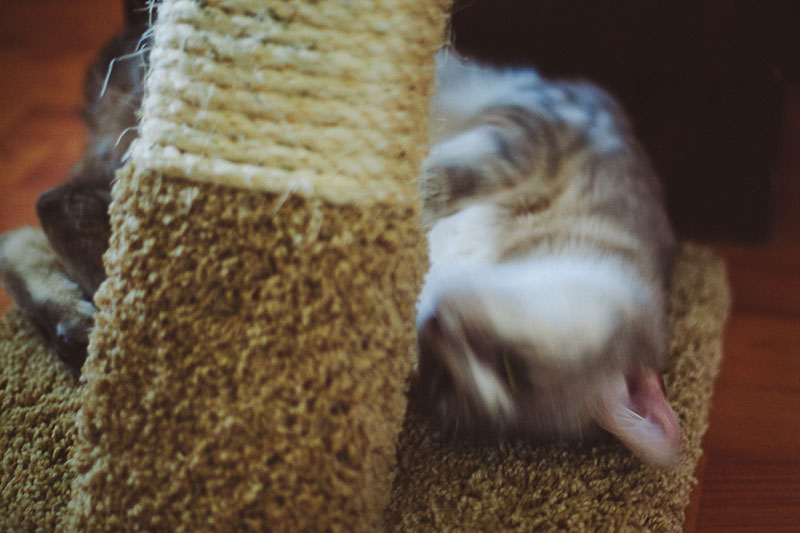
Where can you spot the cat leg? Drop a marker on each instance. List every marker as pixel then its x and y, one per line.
pixel 508 156
pixel 34 277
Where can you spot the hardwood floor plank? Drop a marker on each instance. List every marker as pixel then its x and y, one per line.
pixel 748 496
pixel 751 481
pixel 693 508
pixel 765 280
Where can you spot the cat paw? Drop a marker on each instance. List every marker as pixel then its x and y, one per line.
pixel 433 194
pixel 70 339
pixel 34 277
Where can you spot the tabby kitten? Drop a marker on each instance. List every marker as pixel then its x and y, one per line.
pixel 52 276
pixel 543 313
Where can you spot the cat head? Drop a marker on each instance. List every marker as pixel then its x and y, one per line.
pixel 548 351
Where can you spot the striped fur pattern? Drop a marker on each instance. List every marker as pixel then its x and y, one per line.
pixel 543 311
pixel 34 276
pixel 53 274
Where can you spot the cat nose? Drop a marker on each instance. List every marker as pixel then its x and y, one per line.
pixel 448 361
pixel 435 374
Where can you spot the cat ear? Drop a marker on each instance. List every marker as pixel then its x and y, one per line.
pixel 634 408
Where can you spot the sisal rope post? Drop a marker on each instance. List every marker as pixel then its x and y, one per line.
pixel 249 366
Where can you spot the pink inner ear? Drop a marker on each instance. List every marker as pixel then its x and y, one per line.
pixel 636 411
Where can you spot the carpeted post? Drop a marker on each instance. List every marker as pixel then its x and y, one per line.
pixel 249 365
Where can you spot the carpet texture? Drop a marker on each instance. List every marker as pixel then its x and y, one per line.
pixel 445 486
pixel 38 402
pixel 439 486
pixel 248 368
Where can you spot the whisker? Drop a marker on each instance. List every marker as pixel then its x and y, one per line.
pixel 111 67
pixel 121 135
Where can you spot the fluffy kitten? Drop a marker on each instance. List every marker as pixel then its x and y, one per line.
pixel 543 310
pixel 52 276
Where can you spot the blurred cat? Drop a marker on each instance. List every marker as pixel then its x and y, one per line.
pixel 52 276
pixel 543 313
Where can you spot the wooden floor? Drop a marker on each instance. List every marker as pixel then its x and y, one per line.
pixel 750 474
pixel 750 477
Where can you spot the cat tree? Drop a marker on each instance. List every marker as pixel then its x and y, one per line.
pixel 254 340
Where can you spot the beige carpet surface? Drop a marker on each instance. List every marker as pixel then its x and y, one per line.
pixel 443 486
pixel 38 403
pixel 248 367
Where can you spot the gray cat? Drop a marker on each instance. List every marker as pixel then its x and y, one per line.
pixel 52 276
pixel 543 310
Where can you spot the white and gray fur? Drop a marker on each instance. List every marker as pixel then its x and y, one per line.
pixel 543 311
